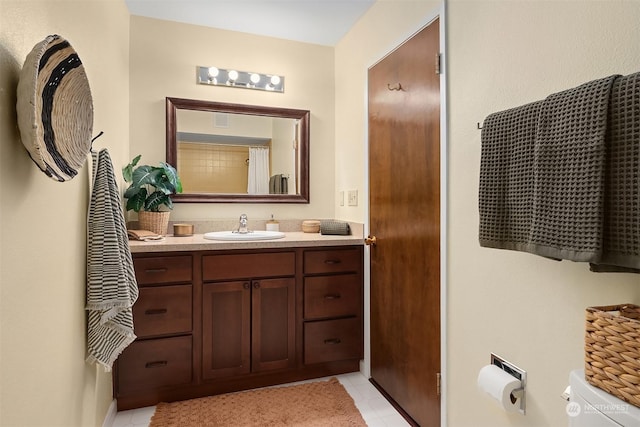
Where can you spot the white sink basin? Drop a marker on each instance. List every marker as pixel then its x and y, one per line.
pixel 253 235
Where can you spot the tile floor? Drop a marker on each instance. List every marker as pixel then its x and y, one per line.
pixel 375 409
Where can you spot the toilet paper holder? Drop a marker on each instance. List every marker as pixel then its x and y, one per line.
pixel 516 372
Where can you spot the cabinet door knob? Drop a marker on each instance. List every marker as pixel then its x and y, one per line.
pixel 246 285
pixel 256 285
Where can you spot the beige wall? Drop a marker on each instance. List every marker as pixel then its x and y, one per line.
pixel 501 54
pixel 44 380
pixel 526 308
pixel 384 27
pixel 164 56
pixel 361 48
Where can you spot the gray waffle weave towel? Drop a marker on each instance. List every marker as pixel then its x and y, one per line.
pixel 555 182
pixel 621 236
pixel 506 177
pixel 569 170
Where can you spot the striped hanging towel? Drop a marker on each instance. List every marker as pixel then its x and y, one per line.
pixel 111 281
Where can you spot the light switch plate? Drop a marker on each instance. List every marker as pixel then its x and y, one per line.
pixel 353 198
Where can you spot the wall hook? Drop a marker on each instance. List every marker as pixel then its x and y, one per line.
pixel 396 87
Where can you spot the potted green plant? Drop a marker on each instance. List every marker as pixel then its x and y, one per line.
pixel 149 193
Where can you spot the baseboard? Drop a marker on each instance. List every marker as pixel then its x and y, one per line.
pixel 111 414
pixel 397 407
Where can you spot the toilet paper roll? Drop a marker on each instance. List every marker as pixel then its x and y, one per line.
pixel 499 385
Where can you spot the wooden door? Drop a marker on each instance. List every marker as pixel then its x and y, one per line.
pixel 273 324
pixel 226 329
pixel 404 182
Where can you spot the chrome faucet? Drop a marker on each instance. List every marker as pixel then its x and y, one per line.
pixel 242 228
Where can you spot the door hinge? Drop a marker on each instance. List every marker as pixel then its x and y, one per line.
pixel 438 63
pixel 438 379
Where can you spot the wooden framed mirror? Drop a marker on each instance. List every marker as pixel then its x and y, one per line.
pixel 238 153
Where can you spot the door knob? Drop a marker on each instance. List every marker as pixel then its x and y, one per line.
pixel 370 241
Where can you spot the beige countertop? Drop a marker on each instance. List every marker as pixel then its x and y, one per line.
pixel 292 239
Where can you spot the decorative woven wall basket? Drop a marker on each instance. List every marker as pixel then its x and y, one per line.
pixel 55 108
pixel 612 350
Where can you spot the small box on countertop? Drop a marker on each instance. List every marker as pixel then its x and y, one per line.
pixel 311 226
pixel 182 230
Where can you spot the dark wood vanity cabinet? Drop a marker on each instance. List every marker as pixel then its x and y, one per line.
pixel 211 322
pixel 332 305
pixel 248 325
pixel 163 320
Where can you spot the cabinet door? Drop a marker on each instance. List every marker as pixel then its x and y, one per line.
pixel 273 324
pixel 226 324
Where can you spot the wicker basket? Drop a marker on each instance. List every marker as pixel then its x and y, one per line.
pixel 156 222
pixel 612 350
pixel 55 108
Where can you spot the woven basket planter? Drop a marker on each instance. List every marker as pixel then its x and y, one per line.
pixel 612 350
pixel 157 222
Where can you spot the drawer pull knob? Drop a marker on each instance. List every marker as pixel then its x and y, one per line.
pixel 153 311
pixel 332 261
pixel 155 270
pixel 156 364
pixel 332 296
pixel 332 341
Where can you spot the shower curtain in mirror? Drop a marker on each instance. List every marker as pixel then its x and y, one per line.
pixel 258 170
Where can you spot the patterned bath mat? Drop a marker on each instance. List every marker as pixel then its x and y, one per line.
pixel 316 404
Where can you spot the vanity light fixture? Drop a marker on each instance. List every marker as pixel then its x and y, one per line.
pixel 244 79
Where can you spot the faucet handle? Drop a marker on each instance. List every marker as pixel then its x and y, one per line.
pixel 242 227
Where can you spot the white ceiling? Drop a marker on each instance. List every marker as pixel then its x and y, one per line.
pixel 322 22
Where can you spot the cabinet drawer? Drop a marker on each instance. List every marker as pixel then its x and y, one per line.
pixel 240 266
pixel 155 363
pixel 331 340
pixel 332 296
pixel 156 270
pixel 332 261
pixel 163 310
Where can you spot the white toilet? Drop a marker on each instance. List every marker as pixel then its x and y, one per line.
pixel 590 406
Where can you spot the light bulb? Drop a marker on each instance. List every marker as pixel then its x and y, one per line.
pixel 213 72
pixel 275 80
pixel 255 78
pixel 233 75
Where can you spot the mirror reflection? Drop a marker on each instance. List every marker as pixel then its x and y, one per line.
pixel 232 152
